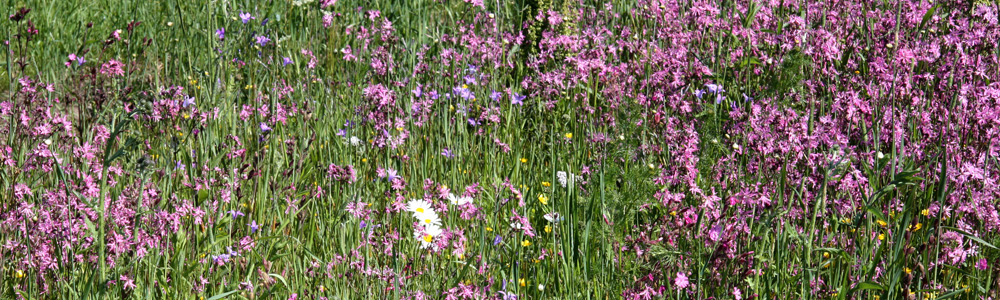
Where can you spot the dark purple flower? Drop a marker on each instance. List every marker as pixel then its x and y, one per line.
pixel 288 61
pixel 497 240
pixel 495 95
pixel 221 33
pixel 447 153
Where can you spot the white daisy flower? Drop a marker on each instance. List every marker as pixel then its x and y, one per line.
pixel 426 234
pixel 428 218
pixel 419 207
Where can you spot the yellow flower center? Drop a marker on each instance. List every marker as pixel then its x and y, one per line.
pixel 420 209
pixel 428 238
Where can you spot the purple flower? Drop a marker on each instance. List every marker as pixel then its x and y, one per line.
pixel 236 213
pixel 464 93
pixel 264 127
pixel 982 265
pixel 495 95
pixel 221 33
pixel 179 166
pixel 497 240
pixel 699 93
pixel 719 98
pixel 362 225
pixel 246 17
pixel 447 153
pixel 188 101
pixel 288 61
pixel 714 88
pixel 473 122
pixel 263 40
pixel 472 69
pixel 470 80
pixel 390 174
pixel 419 91
pixel 253 226
pixel 518 99
pixel 434 95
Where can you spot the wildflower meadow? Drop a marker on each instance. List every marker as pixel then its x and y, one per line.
pixel 500 149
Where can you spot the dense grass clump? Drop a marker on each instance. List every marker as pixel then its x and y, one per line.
pixel 549 149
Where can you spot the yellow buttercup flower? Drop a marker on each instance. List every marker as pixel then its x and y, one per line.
pixel 524 160
pixel 548 228
pixel 925 212
pixel 569 135
pixel 543 199
pixel 546 184
pixel 525 243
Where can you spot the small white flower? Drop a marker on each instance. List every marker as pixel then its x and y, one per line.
pixel 355 141
pixel 553 217
pixel 456 200
pixel 541 287
pixel 566 178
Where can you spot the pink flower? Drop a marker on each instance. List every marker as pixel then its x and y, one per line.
pixel 681 281
pixel 113 68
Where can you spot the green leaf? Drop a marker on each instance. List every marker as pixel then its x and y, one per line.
pixel 927 16
pixel 951 294
pixel 868 285
pixel 223 295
